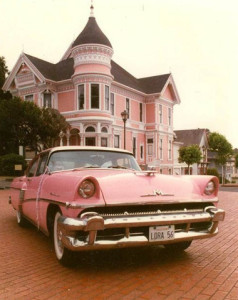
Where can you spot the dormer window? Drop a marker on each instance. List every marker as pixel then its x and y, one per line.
pixel 47 100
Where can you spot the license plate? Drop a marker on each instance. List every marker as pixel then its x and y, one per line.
pixel 161 233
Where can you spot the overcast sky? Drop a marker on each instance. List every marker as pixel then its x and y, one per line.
pixel 195 40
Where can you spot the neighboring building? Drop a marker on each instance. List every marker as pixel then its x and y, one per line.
pixel 187 138
pixel 91 91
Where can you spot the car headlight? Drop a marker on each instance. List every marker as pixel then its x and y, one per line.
pixel 86 189
pixel 210 188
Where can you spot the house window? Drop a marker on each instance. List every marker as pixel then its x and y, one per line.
pixel 47 100
pixel 170 116
pixel 116 141
pixel 150 146
pixel 104 142
pixel 170 149
pixel 107 97
pixel 161 148
pixel 141 112
pixel 90 129
pixel 141 152
pixel 112 104
pixel 104 129
pixel 128 107
pixel 160 114
pixel 134 147
pixel 81 96
pixel 90 141
pixel 29 98
pixel 94 95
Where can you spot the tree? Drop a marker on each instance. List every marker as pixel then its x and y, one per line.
pixel 236 160
pixel 219 144
pixel 22 123
pixel 190 155
pixel 52 124
pixel 3 74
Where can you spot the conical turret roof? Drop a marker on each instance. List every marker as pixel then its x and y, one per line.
pixel 92 34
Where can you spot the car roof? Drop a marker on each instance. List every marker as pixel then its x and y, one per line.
pixel 92 148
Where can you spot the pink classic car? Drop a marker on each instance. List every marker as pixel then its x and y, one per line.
pixel 89 198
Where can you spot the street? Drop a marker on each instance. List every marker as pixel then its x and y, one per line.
pixel 208 269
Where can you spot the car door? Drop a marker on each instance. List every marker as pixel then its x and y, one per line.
pixel 34 179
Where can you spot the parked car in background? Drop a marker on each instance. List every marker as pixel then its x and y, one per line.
pixel 89 198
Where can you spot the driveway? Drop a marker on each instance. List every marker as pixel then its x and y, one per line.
pixel 207 270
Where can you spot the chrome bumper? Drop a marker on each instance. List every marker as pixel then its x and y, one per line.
pixel 92 222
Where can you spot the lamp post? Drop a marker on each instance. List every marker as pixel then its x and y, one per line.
pixel 124 116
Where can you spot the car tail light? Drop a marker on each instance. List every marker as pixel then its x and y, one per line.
pixel 86 189
pixel 210 188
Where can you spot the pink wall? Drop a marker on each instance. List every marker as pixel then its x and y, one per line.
pixel 66 101
pixel 93 68
pixel 150 113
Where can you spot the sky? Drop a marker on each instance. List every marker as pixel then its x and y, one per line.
pixel 195 40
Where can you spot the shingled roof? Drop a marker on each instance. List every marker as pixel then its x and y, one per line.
pixel 92 34
pixel 190 136
pixel 64 69
pixel 61 71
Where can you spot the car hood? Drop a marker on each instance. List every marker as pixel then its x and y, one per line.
pixel 120 187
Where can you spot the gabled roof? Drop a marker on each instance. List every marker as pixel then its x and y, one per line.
pixel 64 69
pixel 190 136
pixel 92 34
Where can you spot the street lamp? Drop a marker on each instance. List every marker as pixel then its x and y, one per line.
pixel 124 116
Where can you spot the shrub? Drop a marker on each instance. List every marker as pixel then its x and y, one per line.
pixel 213 171
pixel 8 162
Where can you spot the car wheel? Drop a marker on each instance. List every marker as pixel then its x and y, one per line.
pixel 63 255
pixel 181 246
pixel 21 221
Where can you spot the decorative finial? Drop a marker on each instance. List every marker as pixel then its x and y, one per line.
pixel 91 8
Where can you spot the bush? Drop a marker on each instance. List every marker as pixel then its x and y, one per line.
pixel 8 162
pixel 213 172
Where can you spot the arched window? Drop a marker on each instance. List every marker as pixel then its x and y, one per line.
pixel 104 129
pixel 90 129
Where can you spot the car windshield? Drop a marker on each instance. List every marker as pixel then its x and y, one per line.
pixel 76 159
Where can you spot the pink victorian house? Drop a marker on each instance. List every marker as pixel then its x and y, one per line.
pixel 91 91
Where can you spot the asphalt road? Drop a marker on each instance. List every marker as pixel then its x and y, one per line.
pixel 206 270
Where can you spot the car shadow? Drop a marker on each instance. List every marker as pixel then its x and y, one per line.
pixel 128 258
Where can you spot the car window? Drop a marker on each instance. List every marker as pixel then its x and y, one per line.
pixel 42 164
pixel 66 160
pixel 32 170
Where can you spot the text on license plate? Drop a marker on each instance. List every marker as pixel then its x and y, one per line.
pixel 161 233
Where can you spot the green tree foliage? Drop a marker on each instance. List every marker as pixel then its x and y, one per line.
pixel 236 160
pixel 3 71
pixel 190 155
pixel 3 74
pixel 24 123
pixel 213 171
pixel 219 144
pixel 52 124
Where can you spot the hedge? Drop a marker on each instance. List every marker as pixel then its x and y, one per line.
pixel 8 162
